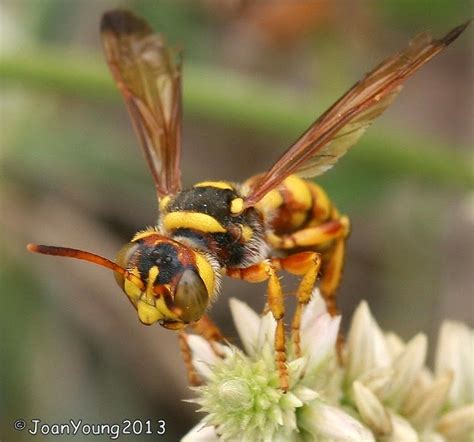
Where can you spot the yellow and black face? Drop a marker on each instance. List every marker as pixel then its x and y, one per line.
pixel 178 282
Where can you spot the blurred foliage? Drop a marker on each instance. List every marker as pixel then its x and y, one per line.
pixel 210 93
pixel 412 16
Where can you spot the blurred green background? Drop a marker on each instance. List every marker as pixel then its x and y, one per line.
pixel 255 75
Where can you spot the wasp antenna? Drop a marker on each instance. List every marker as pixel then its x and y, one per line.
pixel 84 256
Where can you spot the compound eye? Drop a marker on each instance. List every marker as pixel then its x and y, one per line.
pixel 191 297
pixel 123 257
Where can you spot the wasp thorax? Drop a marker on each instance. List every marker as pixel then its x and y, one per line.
pixel 177 281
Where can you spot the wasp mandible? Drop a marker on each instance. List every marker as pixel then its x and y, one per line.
pixel 275 221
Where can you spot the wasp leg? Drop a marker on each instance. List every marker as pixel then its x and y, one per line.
pixel 333 260
pixel 312 236
pixel 304 264
pixel 207 328
pixel 335 231
pixel 261 272
pixel 186 352
pixel 331 275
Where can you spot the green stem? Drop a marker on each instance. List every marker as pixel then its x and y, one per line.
pixel 227 97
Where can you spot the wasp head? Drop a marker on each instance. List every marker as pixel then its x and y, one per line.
pixel 178 281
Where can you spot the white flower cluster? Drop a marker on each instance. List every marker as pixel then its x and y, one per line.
pixel 383 392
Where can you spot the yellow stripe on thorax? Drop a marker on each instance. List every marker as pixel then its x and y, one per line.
pixel 164 202
pixel 237 206
pixel 192 220
pixel 247 233
pixel 216 184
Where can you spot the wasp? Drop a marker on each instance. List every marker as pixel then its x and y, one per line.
pixel 275 221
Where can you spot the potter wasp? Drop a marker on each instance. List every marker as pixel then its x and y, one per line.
pixel 274 221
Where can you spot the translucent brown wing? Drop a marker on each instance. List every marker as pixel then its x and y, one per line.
pixel 332 134
pixel 148 74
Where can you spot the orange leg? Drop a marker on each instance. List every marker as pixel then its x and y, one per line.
pixel 206 328
pixel 335 231
pixel 331 276
pixel 188 359
pixel 312 236
pixel 333 261
pixel 262 272
pixel 306 264
pixel 330 280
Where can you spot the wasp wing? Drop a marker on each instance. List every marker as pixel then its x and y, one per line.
pixel 148 74
pixel 339 128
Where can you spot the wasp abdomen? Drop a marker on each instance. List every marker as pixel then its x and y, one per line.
pixel 295 204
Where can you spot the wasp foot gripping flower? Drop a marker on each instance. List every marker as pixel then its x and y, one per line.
pixel 384 392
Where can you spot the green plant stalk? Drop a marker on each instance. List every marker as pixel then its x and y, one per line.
pixel 225 97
